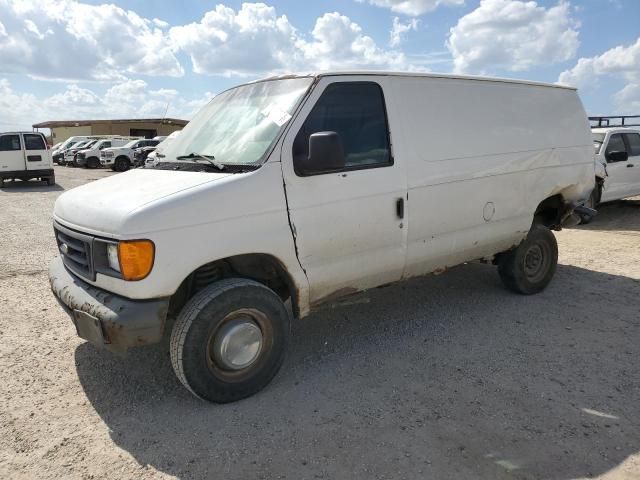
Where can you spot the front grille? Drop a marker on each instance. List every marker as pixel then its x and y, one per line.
pixel 75 250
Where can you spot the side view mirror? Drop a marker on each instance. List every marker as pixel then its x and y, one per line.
pixel 617 156
pixel 326 154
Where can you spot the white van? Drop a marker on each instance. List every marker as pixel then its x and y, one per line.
pixel 618 156
pixel 308 188
pixel 24 156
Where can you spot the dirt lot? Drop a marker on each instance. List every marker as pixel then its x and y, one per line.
pixel 447 377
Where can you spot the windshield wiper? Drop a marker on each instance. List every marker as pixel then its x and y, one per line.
pixel 208 158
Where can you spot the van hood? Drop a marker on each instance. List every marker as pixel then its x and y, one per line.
pixel 102 207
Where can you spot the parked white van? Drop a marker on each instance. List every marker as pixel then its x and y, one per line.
pixel 618 156
pixel 309 188
pixel 25 156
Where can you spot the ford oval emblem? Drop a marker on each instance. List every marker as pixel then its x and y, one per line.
pixel 64 248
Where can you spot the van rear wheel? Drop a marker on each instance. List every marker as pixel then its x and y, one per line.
pixel 229 340
pixel 528 268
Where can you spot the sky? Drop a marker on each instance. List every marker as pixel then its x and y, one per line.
pixel 73 60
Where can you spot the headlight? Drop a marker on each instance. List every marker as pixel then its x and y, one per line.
pixel 112 256
pixel 133 259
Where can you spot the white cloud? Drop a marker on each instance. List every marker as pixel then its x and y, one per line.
pixel 413 7
pixel 255 40
pixel 73 41
pixel 338 43
pixel 399 30
pixel 32 28
pixel 617 63
pixel 513 35
pixel 130 98
pixel 66 39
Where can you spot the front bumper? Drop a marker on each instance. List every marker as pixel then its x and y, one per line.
pixel 103 318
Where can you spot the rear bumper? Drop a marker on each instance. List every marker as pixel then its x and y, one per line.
pixel 103 318
pixel 27 174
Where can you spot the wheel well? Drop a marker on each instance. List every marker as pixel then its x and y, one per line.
pixel 260 267
pixel 550 212
pixel 123 156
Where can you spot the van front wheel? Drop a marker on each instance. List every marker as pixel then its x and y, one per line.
pixel 529 267
pixel 229 340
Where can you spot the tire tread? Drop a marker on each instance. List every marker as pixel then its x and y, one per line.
pixel 189 314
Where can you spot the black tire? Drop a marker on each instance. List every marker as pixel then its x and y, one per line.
pixel 92 162
pixel 121 164
pixel 528 268
pixel 592 202
pixel 51 180
pixel 203 321
pixel 1 182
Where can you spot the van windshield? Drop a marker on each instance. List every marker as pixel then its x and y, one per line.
pixel 239 125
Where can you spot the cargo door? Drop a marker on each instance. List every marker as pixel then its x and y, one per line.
pixel 36 155
pixel 11 154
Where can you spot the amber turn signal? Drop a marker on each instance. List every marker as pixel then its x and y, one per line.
pixel 136 258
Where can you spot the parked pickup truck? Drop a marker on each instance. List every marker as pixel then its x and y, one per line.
pixel 90 157
pixel 308 188
pixel 121 158
pixel 618 161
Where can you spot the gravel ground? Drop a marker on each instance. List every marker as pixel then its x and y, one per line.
pixel 444 377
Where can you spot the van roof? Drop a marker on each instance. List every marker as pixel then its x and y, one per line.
pixel 24 131
pixel 382 73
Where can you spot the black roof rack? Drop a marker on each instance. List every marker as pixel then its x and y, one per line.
pixel 623 121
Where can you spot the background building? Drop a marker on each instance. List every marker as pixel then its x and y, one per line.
pixel 142 127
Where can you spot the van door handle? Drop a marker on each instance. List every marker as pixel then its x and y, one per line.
pixel 400 208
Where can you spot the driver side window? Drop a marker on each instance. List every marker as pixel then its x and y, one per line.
pixel 356 112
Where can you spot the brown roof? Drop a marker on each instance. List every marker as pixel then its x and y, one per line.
pixel 79 123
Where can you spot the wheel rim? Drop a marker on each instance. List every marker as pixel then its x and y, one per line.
pixel 238 346
pixel 536 262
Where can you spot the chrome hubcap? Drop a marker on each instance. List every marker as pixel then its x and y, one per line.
pixel 238 343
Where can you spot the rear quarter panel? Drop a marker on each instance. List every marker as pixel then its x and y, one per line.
pixel 481 156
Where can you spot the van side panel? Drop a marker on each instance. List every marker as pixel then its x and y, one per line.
pixel 481 156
